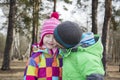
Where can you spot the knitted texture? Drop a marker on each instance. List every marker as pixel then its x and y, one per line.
pixel 87 39
pixel 49 26
pixel 68 34
pixel 55 15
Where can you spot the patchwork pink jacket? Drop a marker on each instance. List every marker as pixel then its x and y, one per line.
pixel 43 65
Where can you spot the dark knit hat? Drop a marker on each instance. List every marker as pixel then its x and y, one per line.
pixel 68 34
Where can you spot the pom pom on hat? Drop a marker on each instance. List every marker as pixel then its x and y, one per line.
pixel 55 15
pixel 49 25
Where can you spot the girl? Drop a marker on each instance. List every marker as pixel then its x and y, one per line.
pixel 45 62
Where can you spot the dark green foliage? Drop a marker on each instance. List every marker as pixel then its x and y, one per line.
pixel 117 12
pixel 115 20
pixel 68 1
pixel 65 8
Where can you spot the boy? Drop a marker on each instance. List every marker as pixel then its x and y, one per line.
pixel 82 58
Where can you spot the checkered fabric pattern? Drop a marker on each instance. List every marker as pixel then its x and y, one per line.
pixel 44 66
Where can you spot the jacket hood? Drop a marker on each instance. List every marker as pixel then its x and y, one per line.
pixel 95 49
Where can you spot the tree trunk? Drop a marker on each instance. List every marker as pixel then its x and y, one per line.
pixel 35 21
pixel 15 46
pixel 94 16
pixel 54 8
pixel 105 30
pixel 9 39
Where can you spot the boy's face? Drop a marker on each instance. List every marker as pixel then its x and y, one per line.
pixel 49 41
pixel 58 45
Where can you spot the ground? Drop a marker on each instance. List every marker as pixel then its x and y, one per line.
pixel 17 71
pixel 112 72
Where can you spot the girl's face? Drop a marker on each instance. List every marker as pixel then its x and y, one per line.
pixel 49 41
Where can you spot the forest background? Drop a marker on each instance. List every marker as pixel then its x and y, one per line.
pixel 21 20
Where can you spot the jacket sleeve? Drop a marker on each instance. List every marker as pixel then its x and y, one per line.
pixel 93 69
pixel 31 70
pixel 89 65
pixel 95 77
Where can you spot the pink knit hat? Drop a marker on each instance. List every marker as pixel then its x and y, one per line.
pixel 49 26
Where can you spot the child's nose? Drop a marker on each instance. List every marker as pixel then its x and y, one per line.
pixel 51 39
